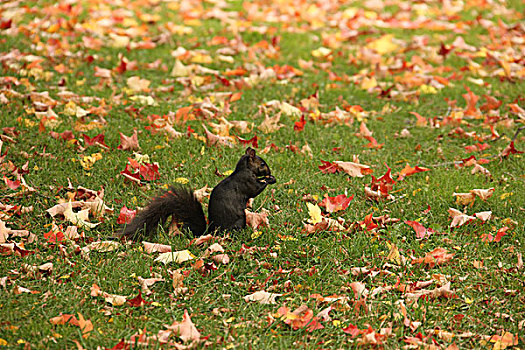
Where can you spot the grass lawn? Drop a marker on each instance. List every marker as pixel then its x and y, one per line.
pixel 392 127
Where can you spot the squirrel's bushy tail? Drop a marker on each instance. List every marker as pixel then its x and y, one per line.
pixel 178 202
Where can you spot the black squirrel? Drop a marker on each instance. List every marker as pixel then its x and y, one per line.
pixel 226 207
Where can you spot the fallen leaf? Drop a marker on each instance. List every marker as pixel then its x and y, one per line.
pixel 178 257
pixel 262 297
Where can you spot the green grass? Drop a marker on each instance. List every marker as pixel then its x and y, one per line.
pixel 484 276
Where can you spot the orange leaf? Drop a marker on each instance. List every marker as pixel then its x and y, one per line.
pixel 471 99
pixel 421 121
pixel 438 256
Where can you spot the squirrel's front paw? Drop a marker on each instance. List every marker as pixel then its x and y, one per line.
pixel 270 179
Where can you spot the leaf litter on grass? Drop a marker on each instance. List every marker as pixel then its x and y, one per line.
pixel 437 85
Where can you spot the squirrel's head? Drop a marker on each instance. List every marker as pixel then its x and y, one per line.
pixel 257 165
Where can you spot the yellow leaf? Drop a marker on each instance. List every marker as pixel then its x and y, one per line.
pixel 383 45
pixel 427 89
pixel 368 83
pixel 393 254
pixel 321 52
pixel 79 218
pixel 315 213
pixel 505 195
pixel 202 59
pixel 182 180
pixel 144 100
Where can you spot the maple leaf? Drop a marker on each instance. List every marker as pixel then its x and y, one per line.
pixel 384 44
pixel 329 168
pixel 138 84
pixel 256 220
pixel 85 325
pixel 262 297
pixel 352 330
pixel 394 255
pixel 252 141
pixel 54 236
pixel 353 169
pixel 420 121
pixel 443 291
pixel 337 203
pixel 178 257
pixel 438 256
pixel 302 317
pixel 64 319
pixel 185 330
pixel 126 215
pixel 138 301
pixel 444 50
pixel 408 170
pixel 299 126
pixel 129 142
pixel 471 100
pixel 95 141
pixel 421 231
pixel 487 237
pixel 213 139
pixel 468 198
pixel 458 218
pixel 79 218
pixel 490 104
pixel 504 341
pixel 315 213
pixel 66 135
pixel 156 247
pixel 510 149
pixel 515 109
pixel 271 124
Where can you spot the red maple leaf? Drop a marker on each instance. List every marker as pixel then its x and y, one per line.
pixel 444 51
pixel 340 202
pixel 126 215
pixel 138 301
pixel 299 126
pixel 54 237
pixel 352 330
pixel 368 223
pixel 509 150
pixel 487 237
pixel 252 141
pixel 421 231
pixel 95 141
pixel 328 168
pixel 149 172
pixel 12 184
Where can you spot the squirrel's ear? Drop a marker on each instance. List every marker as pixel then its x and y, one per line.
pixel 250 152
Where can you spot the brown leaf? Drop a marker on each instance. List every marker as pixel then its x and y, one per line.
pixel 156 247
pixel 129 142
pixel 185 330
pixel 256 220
